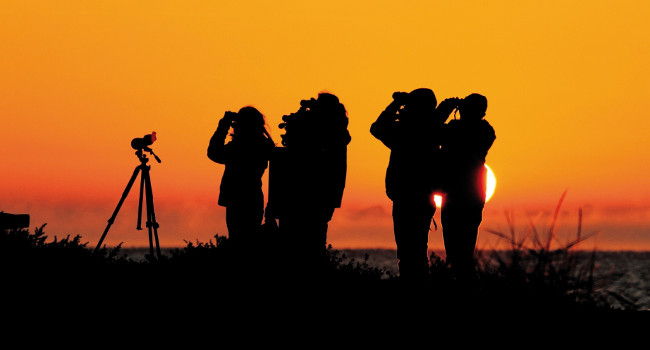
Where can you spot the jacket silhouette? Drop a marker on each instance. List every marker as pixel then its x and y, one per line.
pixel 245 158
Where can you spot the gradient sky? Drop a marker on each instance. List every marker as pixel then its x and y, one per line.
pixel 568 84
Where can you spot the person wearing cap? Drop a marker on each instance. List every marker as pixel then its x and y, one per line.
pixel 411 129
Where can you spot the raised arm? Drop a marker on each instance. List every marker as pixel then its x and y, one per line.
pixel 217 147
pixel 444 109
pixel 384 127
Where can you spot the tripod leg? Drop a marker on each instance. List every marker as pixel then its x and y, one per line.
pixel 152 224
pixel 119 206
pixel 145 172
pixel 139 225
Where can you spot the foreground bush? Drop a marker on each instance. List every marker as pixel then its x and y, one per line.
pixel 20 248
pixel 523 278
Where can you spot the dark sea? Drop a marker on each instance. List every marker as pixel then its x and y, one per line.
pixel 622 276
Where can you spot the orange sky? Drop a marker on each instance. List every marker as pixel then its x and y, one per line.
pixel 568 87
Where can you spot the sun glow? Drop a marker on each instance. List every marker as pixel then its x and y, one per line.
pixel 490 187
pixel 437 199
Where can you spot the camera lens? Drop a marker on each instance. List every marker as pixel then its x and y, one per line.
pixel 142 142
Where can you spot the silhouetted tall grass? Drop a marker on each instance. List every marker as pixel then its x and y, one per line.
pixel 540 267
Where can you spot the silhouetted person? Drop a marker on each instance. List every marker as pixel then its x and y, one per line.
pixel 411 128
pixel 466 143
pixel 307 176
pixel 246 157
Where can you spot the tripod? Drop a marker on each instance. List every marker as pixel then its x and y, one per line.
pixel 145 186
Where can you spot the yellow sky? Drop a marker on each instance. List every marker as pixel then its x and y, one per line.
pixel 568 86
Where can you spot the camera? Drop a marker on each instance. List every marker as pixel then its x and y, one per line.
pixel 286 119
pixel 290 119
pixel 144 142
pixel 296 124
pixel 141 144
pixel 309 104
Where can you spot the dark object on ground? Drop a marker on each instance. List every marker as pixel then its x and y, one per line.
pixel 13 221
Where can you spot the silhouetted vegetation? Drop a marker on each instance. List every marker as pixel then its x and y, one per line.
pixel 525 277
pixel 540 267
pixel 266 261
pixel 20 248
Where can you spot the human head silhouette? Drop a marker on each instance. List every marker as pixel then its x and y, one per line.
pixel 473 107
pixel 330 105
pixel 327 99
pixel 249 123
pixel 420 102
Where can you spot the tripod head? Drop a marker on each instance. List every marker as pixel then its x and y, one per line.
pixel 143 157
pixel 141 145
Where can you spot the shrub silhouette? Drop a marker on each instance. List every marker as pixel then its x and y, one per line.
pixel 266 261
pixel 22 248
pixel 532 275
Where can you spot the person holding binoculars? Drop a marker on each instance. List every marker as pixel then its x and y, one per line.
pixel 466 142
pixel 412 130
pixel 245 158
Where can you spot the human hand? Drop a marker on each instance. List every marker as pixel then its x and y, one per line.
pixel 228 118
pixel 400 97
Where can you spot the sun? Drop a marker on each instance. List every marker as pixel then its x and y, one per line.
pixel 490 183
pixel 490 187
